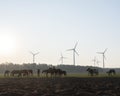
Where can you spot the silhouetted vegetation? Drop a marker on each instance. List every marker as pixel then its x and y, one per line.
pixel 35 67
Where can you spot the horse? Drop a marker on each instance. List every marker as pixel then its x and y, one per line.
pixel 24 72
pixel 59 72
pixel 54 72
pixel 30 72
pixel 92 71
pixel 62 73
pixel 45 72
pixel 16 72
pixel 111 72
pixel 6 73
pixel 49 71
pixel 96 71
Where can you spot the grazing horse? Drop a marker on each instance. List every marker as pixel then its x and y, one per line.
pixel 45 72
pixel 24 72
pixel 62 73
pixel 16 72
pixel 54 72
pixel 111 72
pixel 30 72
pixel 49 71
pixel 6 73
pixel 59 72
pixel 92 71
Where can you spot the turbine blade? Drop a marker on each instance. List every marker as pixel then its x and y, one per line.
pixel 100 52
pixel 75 45
pixel 76 52
pixel 70 49
pixel 105 50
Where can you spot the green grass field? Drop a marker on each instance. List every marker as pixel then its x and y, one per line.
pixel 83 75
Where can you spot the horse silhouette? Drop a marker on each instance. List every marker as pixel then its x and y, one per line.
pixel 59 72
pixel 48 71
pixel 62 73
pixel 7 73
pixel 16 73
pixel 30 72
pixel 21 73
pixel 54 72
pixel 111 72
pixel 92 71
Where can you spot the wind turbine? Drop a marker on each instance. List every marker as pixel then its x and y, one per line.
pixel 61 58
pixel 94 60
pixel 103 54
pixel 74 52
pixel 34 54
pixel 98 62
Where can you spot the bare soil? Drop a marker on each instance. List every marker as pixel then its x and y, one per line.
pixel 68 86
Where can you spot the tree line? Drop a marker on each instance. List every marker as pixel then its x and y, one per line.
pixel 34 67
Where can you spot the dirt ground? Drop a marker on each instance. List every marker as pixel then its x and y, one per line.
pixel 60 86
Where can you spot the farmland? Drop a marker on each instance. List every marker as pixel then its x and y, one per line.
pixel 71 85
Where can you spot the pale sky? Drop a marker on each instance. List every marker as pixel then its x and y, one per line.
pixel 53 26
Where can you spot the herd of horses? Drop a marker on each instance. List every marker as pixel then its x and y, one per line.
pixel 21 73
pixel 92 72
pixel 53 72
pixel 18 73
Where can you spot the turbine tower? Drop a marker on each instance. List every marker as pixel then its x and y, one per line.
pixel 74 52
pixel 61 58
pixel 34 54
pixel 103 54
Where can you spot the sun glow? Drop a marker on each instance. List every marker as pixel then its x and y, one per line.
pixel 7 44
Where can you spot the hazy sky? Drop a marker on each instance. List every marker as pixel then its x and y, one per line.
pixel 53 26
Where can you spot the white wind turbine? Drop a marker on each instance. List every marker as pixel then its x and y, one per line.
pixel 97 62
pixel 94 60
pixel 74 52
pixel 61 58
pixel 103 54
pixel 34 54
